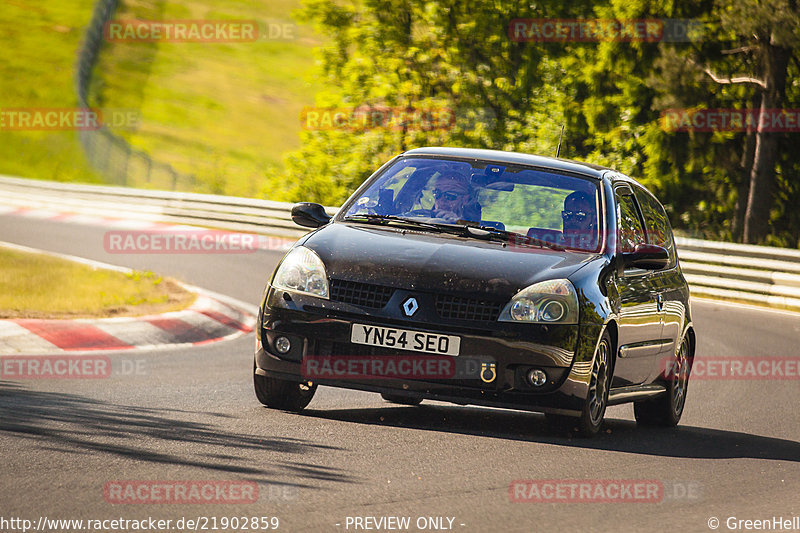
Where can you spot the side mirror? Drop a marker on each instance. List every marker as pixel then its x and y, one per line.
pixel 646 256
pixel 309 215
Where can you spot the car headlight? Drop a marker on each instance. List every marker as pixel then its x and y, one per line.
pixel 302 271
pixel 546 302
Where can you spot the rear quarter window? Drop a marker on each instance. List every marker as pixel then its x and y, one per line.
pixel 630 232
pixel 656 223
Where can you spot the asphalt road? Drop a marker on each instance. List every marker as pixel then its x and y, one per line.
pixel 190 414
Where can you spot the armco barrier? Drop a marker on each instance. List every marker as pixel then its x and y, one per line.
pixel 757 274
pixel 220 212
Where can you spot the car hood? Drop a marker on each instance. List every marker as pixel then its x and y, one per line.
pixel 436 262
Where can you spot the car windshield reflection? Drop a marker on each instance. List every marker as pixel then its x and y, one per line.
pixel 534 206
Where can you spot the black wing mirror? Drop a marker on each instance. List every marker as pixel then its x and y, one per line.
pixel 646 256
pixel 310 215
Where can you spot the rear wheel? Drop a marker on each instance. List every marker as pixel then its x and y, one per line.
pixel 666 410
pixel 402 400
pixel 594 407
pixel 281 393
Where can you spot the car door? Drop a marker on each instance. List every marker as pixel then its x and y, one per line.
pixel 667 282
pixel 639 316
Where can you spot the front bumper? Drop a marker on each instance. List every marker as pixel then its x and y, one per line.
pixel 321 330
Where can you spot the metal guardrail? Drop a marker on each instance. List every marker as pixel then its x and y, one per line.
pixel 220 212
pixel 757 274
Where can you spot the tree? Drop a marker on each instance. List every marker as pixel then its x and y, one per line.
pixel 768 35
pixel 427 55
pixel 611 95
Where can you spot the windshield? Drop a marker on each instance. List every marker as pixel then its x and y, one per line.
pixel 543 205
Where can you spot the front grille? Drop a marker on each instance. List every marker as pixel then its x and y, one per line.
pixel 457 307
pixel 348 349
pixel 363 294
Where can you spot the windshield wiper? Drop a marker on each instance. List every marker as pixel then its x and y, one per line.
pixel 472 230
pixel 509 236
pixel 381 219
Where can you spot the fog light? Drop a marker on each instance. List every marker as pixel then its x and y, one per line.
pixel 537 377
pixel 283 345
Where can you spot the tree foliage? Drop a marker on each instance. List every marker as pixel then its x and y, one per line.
pixel 611 95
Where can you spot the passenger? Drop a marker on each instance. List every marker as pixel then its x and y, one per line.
pixel 580 221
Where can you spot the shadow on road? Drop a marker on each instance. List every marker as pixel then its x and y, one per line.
pixel 70 423
pixel 624 436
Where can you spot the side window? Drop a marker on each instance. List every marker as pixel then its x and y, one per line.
pixel 631 231
pixel 657 224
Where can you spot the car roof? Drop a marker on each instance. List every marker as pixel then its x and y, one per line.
pixel 567 165
pixel 622 178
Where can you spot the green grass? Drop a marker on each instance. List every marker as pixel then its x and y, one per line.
pixel 225 112
pixel 41 286
pixel 39 46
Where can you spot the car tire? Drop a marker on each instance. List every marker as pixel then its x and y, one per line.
pixel 282 394
pixel 666 410
pixel 402 400
pixel 590 421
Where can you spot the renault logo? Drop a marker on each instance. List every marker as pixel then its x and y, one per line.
pixel 410 306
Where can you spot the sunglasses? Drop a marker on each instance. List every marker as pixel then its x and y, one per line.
pixel 450 196
pixel 580 216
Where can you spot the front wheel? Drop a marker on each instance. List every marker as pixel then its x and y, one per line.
pixel 594 407
pixel 666 410
pixel 282 394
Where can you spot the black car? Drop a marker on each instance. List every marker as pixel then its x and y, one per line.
pixel 487 278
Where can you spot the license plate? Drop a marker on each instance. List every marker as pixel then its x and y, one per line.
pixel 405 339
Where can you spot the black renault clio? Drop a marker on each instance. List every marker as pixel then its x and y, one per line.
pixel 487 278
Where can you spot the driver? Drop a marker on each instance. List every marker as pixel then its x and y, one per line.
pixel 451 193
pixel 580 221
